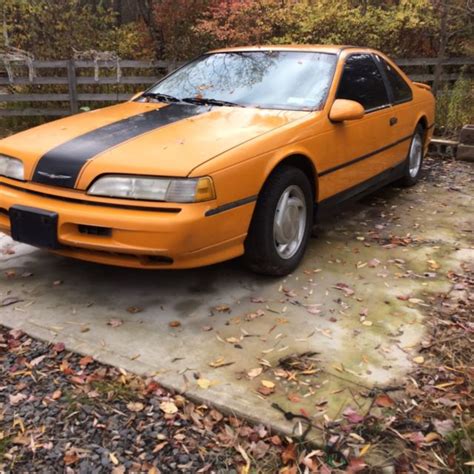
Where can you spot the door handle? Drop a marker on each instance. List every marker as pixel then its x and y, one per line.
pixel 393 121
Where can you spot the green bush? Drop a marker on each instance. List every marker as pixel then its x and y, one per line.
pixel 455 106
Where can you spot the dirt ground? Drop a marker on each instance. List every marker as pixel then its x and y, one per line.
pixel 352 318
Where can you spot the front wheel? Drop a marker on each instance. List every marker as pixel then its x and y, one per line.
pixel 281 224
pixel 414 159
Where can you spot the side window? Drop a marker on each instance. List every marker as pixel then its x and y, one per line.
pixel 401 90
pixel 362 81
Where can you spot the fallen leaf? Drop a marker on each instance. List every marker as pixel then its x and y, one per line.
pixel 430 437
pixel 115 323
pixel 222 308
pixel 373 263
pixel 203 383
pixel 344 288
pixel 37 360
pixel 383 400
pixel 17 399
pixel 70 457
pixel 85 361
pixel 443 427
pixel 159 446
pixel 267 384
pixel 352 416
pixel 135 406
pixel 289 454
pixel 415 437
pixel 113 458
pixel 220 362
pixel 134 309
pixel 254 372
pixel 257 314
pixel 418 359
pixel 356 465
pixel 294 397
pixel 313 308
pixel 265 391
pixel 10 300
pixel 174 324
pixel 56 394
pixel 59 347
pixel 168 407
pixel 245 469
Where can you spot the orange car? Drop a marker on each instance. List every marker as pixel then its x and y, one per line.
pixel 234 153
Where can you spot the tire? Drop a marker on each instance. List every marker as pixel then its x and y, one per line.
pixel 265 249
pixel 413 165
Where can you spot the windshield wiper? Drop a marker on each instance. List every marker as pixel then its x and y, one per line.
pixel 161 97
pixel 205 100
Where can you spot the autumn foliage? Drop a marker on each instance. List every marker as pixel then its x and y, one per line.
pixel 180 29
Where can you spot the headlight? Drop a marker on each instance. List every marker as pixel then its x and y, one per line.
pixel 11 168
pixel 154 189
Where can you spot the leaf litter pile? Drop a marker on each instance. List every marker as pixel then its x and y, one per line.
pixel 60 412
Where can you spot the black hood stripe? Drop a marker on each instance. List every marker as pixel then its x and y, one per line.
pixel 62 165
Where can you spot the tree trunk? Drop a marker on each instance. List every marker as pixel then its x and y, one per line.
pixel 147 14
pixel 443 40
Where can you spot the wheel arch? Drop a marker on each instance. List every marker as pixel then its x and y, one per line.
pixel 423 121
pixel 302 162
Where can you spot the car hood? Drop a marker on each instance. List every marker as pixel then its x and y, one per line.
pixel 137 138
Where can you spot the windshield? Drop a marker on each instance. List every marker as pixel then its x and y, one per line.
pixel 291 80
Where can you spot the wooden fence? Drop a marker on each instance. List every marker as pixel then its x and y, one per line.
pixel 20 87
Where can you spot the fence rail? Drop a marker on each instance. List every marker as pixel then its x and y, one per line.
pixel 72 76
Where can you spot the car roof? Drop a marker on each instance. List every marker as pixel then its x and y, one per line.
pixel 322 48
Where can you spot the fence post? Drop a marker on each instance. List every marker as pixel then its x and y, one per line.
pixel 72 83
pixel 437 76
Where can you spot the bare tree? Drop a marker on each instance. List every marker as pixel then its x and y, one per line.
pixel 147 13
pixel 450 14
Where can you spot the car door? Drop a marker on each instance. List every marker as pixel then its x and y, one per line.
pixel 401 98
pixel 360 148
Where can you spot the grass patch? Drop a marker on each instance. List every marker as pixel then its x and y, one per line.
pixel 5 444
pixel 113 389
pixel 461 444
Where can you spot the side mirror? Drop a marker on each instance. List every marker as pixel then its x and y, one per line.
pixel 343 109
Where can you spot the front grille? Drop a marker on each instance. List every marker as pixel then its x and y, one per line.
pixel 95 230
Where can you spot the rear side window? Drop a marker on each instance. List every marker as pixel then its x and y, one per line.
pixel 401 90
pixel 362 81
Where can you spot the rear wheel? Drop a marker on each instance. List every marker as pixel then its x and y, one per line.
pixel 414 159
pixel 281 223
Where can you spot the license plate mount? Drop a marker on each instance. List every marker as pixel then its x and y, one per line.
pixel 34 226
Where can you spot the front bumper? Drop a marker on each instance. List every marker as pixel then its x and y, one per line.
pixel 158 235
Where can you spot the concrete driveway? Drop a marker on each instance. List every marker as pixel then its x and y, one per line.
pixel 349 319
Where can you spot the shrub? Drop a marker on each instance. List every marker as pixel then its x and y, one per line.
pixel 455 106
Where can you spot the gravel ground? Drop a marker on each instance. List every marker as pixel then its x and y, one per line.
pixel 60 412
